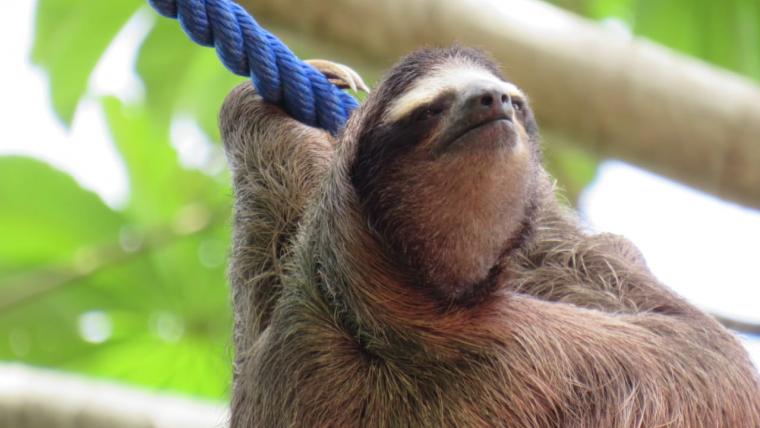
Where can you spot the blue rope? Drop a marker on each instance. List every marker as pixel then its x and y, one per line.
pixel 247 49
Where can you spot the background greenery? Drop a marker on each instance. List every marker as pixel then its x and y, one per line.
pixel 152 274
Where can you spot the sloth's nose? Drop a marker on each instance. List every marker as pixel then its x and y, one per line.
pixel 479 104
pixel 486 101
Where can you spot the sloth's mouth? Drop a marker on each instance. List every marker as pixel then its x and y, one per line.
pixel 495 131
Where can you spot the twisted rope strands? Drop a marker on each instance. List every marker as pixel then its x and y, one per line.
pixel 247 49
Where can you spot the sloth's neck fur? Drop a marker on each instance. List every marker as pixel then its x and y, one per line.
pixel 494 272
pixel 378 300
pixel 454 245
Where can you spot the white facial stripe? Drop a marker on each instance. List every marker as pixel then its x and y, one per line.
pixel 451 77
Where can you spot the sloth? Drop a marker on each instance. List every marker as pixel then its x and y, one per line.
pixel 417 270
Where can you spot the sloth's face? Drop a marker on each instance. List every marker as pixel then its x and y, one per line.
pixel 459 108
pixel 446 171
pixel 440 108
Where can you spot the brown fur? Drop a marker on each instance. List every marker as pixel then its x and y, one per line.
pixel 339 321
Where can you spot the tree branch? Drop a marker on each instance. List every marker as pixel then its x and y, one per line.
pixel 35 398
pixel 739 326
pixel 617 96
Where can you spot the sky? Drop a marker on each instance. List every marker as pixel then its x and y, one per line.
pixel 703 248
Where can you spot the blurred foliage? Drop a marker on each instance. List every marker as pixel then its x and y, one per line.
pixel 138 293
pixel 726 32
pixel 69 46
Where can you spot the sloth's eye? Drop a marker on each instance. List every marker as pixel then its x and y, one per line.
pixel 430 112
pixel 518 105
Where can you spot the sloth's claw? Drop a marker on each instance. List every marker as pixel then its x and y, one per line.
pixel 340 75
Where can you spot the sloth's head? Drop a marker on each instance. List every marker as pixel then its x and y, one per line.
pixel 445 167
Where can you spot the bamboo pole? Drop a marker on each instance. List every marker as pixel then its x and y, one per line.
pixel 601 89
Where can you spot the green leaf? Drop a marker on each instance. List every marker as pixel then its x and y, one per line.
pixel 155 339
pixel 47 222
pixel 620 9
pixel 182 77
pixel 71 37
pixel 198 366
pixel 48 216
pixel 160 187
pixel 45 216
pixel 725 33
pixel 163 64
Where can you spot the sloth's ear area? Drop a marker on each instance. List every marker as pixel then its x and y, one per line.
pixel 339 75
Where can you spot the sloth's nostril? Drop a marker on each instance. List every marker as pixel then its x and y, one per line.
pixel 486 100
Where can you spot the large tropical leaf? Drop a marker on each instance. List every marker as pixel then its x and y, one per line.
pixel 156 294
pixel 160 186
pixel 45 216
pixel 183 77
pixel 71 36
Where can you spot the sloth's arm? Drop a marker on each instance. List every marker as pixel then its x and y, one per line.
pixel 605 272
pixel 623 370
pixel 276 164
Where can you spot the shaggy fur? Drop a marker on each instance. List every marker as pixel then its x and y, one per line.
pixel 344 317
